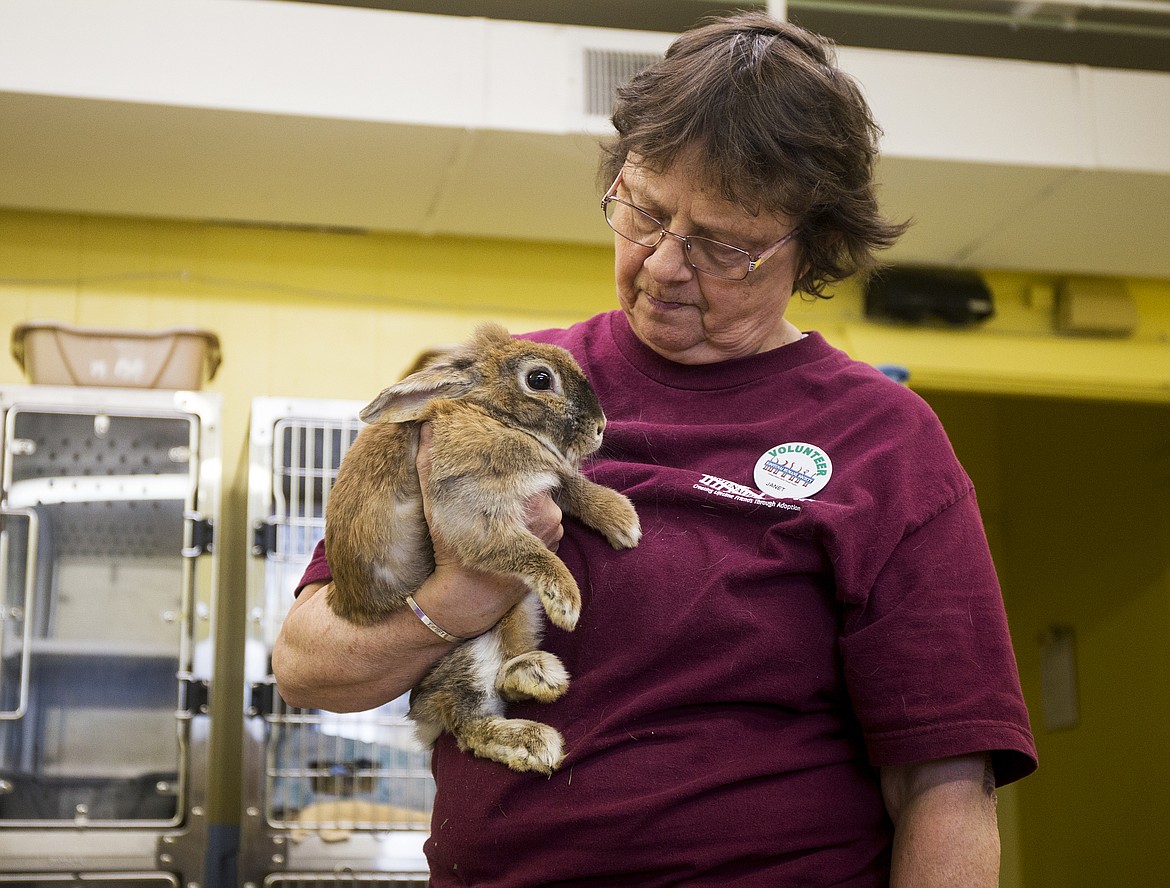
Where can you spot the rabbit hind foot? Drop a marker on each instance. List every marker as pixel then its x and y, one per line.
pixel 520 744
pixel 535 675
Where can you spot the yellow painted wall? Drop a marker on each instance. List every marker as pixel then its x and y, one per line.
pixel 298 314
pixel 1066 438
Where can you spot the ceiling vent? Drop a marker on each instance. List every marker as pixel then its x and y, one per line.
pixel 605 71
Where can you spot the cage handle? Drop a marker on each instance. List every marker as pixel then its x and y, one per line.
pixel 13 614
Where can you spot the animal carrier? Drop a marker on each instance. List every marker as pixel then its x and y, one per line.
pixel 108 500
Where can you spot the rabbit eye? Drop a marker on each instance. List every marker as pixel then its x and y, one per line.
pixel 540 380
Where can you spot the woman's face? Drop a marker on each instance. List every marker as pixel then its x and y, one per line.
pixel 692 318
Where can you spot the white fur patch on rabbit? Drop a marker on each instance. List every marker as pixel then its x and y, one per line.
pixel 510 419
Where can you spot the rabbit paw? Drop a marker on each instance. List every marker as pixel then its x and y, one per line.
pixel 520 744
pixel 604 509
pixel 625 535
pixel 536 675
pixel 615 518
pixel 563 610
pixel 559 595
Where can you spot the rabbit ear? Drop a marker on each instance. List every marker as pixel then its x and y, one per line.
pixel 449 376
pixel 428 356
pixel 491 335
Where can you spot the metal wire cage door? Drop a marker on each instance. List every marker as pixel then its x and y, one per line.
pixel 324 793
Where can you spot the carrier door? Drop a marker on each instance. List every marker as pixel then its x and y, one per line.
pixel 100 521
pixel 324 792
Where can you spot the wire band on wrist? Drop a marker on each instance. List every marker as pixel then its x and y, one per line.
pixel 431 624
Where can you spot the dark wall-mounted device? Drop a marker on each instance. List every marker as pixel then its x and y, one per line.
pixel 926 295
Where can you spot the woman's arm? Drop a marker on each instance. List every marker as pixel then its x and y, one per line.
pixel 324 662
pixel 945 830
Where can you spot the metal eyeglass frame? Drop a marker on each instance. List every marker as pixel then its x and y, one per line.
pixel 754 261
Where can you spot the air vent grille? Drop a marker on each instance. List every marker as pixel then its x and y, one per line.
pixel 605 71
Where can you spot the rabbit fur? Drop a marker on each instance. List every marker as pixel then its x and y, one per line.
pixel 510 419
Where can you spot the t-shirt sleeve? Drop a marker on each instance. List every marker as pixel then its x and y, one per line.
pixel 317 570
pixel 929 661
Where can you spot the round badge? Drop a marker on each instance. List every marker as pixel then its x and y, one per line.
pixel 793 471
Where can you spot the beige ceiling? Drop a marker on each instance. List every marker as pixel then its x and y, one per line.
pixel 303 114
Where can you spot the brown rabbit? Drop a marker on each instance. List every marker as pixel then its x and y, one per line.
pixel 510 419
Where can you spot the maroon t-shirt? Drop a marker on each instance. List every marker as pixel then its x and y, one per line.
pixel 812 598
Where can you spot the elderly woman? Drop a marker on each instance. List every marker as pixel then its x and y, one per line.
pixel 802 675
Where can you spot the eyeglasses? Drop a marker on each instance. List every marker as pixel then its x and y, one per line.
pixel 710 257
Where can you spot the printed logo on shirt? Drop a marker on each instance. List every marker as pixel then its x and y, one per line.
pixel 793 471
pixel 730 490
